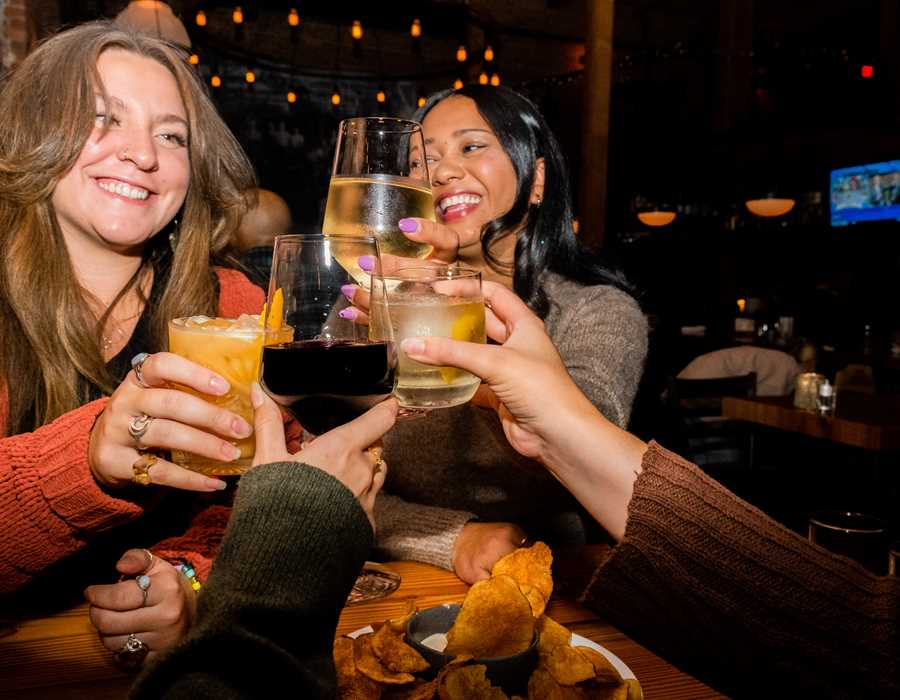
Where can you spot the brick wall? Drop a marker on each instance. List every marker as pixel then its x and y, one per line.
pixel 14 39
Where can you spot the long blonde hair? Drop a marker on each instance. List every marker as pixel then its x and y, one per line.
pixel 50 353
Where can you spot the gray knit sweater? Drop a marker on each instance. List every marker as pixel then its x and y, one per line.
pixel 455 464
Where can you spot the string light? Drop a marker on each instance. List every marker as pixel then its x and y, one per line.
pixel 200 19
pixel 461 54
pixel 215 81
pixel 457 84
pixel 488 53
pixel 293 20
pixel 483 78
pixel 381 97
pixel 356 30
pixel 335 97
pixel 250 77
pixel 495 79
pixel 291 97
pixel 415 31
pixel 194 59
pixel 238 15
pixel 421 101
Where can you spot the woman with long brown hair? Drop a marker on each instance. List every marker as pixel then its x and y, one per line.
pixel 120 187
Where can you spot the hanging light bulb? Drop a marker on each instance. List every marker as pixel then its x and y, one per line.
pixel 294 17
pixel 483 78
pixel 200 19
pixel 457 84
pixel 381 97
pixel 194 59
pixel 215 81
pixel 238 15
pixel 488 53
pixel 415 31
pixel 335 97
pixel 250 77
pixel 291 97
pixel 495 79
pixel 461 54
pixel 356 30
pixel 421 101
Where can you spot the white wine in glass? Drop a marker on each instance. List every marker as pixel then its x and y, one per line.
pixel 380 176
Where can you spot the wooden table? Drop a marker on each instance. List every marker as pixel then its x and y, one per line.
pixel 861 420
pixel 60 658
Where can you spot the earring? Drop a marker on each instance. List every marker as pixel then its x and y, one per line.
pixel 173 236
pixel 538 200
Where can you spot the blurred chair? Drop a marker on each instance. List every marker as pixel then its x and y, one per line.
pixel 858 378
pixel 256 234
pixel 709 438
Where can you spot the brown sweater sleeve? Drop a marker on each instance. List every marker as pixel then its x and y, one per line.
pixel 715 586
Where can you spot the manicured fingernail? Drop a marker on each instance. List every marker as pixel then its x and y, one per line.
pixel 217 484
pixel 348 314
pixel 408 225
pixel 348 290
pixel 230 451
pixel 240 427
pixel 413 346
pixel 367 263
pixel 256 395
pixel 219 385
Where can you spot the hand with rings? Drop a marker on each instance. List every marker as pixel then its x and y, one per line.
pixel 147 415
pixel 149 610
pixel 350 453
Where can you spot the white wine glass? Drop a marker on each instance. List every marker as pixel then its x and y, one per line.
pixel 379 177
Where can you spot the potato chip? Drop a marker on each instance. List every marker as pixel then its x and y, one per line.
pixel 551 634
pixel 604 671
pixel 351 685
pixel 542 686
pixel 568 666
pixel 529 567
pixel 469 683
pixel 369 665
pixel 635 692
pixel 495 620
pixel 535 599
pixel 395 654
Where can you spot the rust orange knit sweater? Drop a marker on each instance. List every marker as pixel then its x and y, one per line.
pixel 50 505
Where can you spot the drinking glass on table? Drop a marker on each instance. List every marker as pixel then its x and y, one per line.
pixel 329 372
pixel 429 301
pixel 856 535
pixel 379 177
pixel 232 348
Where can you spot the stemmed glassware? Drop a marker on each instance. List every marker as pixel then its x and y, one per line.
pixel 330 372
pixel 379 177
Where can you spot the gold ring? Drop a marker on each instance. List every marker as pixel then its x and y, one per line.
pixel 376 452
pixel 141 468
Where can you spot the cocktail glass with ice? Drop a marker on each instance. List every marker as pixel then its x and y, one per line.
pixel 233 349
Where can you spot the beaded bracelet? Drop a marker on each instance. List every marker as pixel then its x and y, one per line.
pixel 189 572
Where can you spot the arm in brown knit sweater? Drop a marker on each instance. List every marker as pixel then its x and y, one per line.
pixel 715 586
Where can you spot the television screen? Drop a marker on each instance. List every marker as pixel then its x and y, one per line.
pixel 865 193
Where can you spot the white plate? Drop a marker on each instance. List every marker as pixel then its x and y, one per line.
pixel 576 641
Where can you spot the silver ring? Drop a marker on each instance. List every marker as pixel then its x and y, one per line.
pixel 137 364
pixel 143 582
pixel 138 427
pixel 132 652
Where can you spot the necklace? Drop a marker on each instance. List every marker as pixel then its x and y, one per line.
pixel 115 332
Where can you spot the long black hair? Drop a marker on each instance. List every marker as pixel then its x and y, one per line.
pixel 546 240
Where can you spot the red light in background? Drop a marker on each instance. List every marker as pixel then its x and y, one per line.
pixel 867 71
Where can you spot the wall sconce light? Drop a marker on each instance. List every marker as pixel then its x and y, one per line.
pixel 770 206
pixel 656 218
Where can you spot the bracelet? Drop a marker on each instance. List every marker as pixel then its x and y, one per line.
pixel 189 572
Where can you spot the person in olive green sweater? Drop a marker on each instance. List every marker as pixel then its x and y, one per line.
pixel 300 530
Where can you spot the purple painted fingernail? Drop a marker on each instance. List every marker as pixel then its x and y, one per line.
pixel 348 290
pixel 408 225
pixel 349 314
pixel 367 263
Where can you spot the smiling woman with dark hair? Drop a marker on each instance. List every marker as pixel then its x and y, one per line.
pixel 460 497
